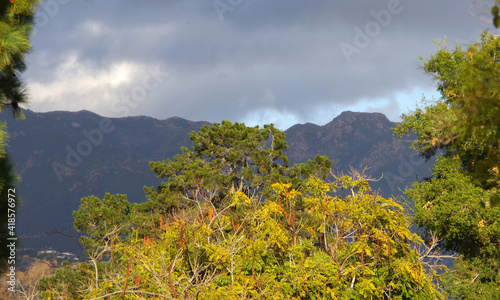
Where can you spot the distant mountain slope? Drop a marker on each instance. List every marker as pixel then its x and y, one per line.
pixel 351 139
pixel 360 140
pixel 117 161
pixel 64 156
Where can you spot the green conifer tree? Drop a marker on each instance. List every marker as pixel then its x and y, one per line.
pixel 16 23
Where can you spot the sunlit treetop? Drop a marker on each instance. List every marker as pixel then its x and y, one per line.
pixel 16 25
pixel 465 122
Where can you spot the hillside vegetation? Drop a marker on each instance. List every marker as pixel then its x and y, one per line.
pixel 232 220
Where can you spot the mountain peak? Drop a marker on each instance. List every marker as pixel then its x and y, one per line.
pixel 350 117
pixel 181 122
pixel 368 121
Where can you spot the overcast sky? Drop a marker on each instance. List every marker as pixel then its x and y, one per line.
pixel 252 61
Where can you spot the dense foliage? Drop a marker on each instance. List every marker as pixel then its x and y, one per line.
pixel 232 220
pixel 460 203
pixel 16 22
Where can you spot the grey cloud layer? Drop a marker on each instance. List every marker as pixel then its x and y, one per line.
pixel 266 61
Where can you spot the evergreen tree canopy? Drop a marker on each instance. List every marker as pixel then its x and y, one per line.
pixel 16 23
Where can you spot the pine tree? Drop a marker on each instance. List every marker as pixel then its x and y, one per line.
pixel 16 23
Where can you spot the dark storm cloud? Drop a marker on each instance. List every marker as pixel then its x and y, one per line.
pixel 254 61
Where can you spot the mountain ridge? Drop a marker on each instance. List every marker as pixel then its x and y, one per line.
pixel 58 170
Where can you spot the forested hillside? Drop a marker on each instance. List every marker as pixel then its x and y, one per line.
pixel 233 220
pixel 118 162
